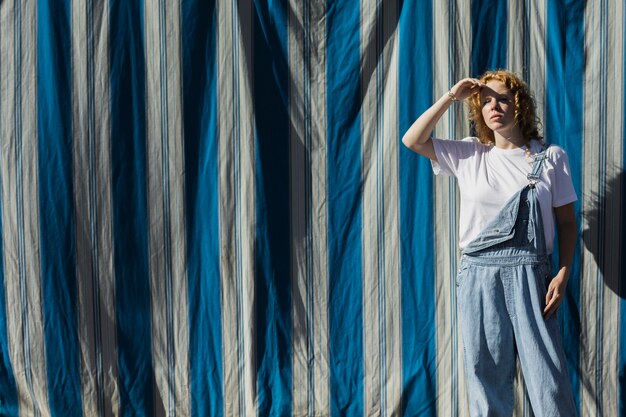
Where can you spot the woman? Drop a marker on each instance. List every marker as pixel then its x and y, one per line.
pixel 513 189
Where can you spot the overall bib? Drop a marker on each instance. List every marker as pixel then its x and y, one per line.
pixel 501 290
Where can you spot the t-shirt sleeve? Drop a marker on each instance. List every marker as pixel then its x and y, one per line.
pixel 451 154
pixel 562 187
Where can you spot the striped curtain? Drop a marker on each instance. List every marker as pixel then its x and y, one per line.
pixel 206 209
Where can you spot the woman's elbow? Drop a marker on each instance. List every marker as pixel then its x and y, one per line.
pixel 412 142
pixel 406 141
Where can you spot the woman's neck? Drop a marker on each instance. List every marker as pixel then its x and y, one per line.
pixel 509 140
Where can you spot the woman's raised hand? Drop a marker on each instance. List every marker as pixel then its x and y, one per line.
pixel 417 138
pixel 465 88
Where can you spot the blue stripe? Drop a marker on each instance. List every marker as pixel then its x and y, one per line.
pixel 419 355
pixel 130 225
pixel 56 207
pixel 202 196
pixel 489 40
pixel 273 245
pixel 563 125
pixel 344 207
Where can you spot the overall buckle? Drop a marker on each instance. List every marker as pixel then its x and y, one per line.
pixel 532 180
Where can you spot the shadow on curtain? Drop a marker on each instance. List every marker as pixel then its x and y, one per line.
pixel 604 237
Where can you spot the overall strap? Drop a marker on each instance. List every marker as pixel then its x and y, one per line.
pixel 535 173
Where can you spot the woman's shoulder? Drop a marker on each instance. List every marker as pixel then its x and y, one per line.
pixel 468 139
pixel 462 147
pixel 472 142
pixel 473 139
pixel 553 152
pixel 556 158
pixel 458 151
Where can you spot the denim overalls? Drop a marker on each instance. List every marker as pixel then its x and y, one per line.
pixel 501 290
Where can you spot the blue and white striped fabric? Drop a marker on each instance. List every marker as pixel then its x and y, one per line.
pixel 206 209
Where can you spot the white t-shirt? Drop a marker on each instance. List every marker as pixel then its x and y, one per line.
pixel 489 176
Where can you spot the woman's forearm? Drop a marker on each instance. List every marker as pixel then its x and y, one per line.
pixel 568 234
pixel 419 133
pixel 567 246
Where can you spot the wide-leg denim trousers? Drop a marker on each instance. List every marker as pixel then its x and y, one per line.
pixel 501 290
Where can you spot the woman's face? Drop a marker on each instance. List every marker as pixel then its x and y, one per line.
pixel 498 106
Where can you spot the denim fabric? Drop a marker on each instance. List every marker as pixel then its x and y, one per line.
pixel 501 289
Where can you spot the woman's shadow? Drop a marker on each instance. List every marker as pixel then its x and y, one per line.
pixel 604 234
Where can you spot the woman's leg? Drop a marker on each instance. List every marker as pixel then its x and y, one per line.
pixel 539 346
pixel 488 343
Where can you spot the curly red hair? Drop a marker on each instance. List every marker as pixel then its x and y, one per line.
pixel 525 109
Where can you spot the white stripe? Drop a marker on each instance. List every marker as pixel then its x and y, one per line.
pixel 526 57
pixel 381 268
pixel 602 153
pixel 537 55
pixel 613 254
pixel 92 193
pixel 166 202
pixel 237 205
pixel 309 228
pixel 20 208
pixel 588 304
pixel 515 45
pixel 392 320
pixel 520 398
pixel 451 62
pixel 370 238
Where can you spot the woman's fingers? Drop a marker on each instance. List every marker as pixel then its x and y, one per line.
pixel 472 82
pixel 553 301
pixel 551 309
pixel 466 87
